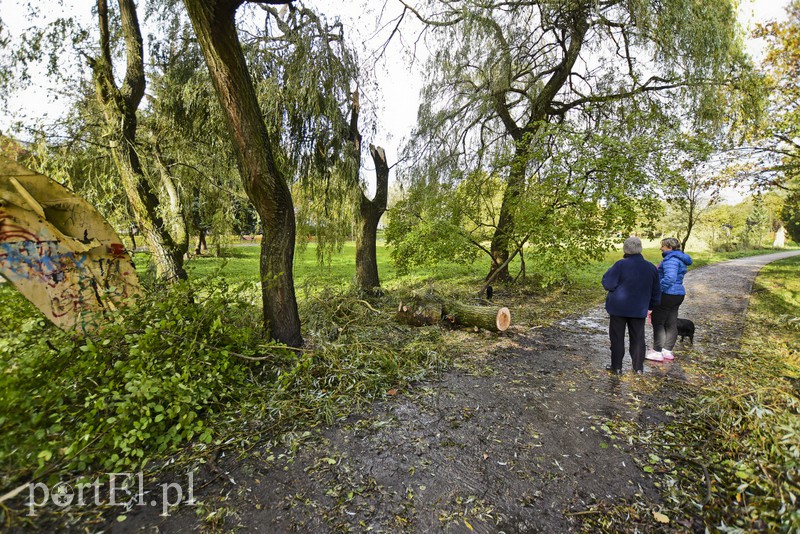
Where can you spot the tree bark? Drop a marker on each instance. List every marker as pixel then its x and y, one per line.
pixel 504 231
pixel 420 312
pixel 214 24
pixel 177 214
pixel 370 212
pixel 538 113
pixel 486 317
pixel 430 310
pixel 119 106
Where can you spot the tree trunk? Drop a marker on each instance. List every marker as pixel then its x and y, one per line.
pixel 501 240
pixel 420 312
pixel 214 24
pixel 119 105
pixel 370 212
pixel 201 242
pixel 577 27
pixel 430 310
pixel 177 214
pixel 486 317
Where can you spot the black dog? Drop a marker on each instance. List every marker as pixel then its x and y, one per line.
pixel 686 329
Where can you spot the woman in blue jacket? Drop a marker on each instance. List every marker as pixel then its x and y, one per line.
pixel 632 285
pixel 671 271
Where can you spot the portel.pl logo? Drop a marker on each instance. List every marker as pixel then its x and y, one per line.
pixel 122 489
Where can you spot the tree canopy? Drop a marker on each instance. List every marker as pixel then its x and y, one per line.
pixel 570 105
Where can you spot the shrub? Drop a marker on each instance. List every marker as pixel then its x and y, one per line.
pixel 188 365
pixel 141 386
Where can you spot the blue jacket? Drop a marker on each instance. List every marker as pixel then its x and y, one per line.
pixel 632 285
pixel 671 271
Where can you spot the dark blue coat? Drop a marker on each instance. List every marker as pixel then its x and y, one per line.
pixel 633 287
pixel 671 271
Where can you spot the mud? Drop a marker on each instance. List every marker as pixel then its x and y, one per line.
pixel 521 446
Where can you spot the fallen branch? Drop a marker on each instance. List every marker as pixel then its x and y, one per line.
pixel 503 266
pixel 365 303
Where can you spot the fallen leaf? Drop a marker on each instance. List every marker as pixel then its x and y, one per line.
pixel 661 518
pixel 468 525
pixel 392 392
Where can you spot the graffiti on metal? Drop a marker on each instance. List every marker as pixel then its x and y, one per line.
pixel 59 252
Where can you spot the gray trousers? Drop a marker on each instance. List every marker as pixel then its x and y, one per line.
pixel 665 322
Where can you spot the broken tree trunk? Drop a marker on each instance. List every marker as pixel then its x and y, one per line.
pixel 430 310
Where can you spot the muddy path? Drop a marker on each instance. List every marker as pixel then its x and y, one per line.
pixel 519 446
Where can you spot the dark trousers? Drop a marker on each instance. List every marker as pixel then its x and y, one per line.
pixel 616 333
pixel 665 322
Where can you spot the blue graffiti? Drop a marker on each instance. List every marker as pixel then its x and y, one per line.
pixel 31 260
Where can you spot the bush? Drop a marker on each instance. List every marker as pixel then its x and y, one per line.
pixel 141 386
pixel 727 247
pixel 186 366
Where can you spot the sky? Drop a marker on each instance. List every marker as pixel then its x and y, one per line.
pixel 400 81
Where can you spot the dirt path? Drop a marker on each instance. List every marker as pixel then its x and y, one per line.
pixel 520 447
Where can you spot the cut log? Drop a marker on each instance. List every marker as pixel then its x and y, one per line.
pixel 486 317
pixel 430 309
pixel 419 313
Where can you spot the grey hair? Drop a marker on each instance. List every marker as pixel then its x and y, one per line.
pixel 632 245
pixel 671 242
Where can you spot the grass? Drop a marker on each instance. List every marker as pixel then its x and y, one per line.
pixel 241 264
pixel 750 417
pixel 530 305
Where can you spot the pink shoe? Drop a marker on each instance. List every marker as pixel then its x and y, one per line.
pixel 667 354
pixel 654 356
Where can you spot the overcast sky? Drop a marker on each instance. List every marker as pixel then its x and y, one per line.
pixel 400 84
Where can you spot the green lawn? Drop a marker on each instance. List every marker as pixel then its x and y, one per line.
pixel 240 264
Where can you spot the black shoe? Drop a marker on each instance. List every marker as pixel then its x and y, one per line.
pixel 612 370
pixel 638 371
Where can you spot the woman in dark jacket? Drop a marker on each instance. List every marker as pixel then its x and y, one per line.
pixel 632 285
pixel 671 271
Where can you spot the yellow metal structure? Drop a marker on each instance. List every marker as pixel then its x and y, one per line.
pixel 59 252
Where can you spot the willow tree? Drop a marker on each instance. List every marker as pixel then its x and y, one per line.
pixel 306 78
pixel 186 125
pixel 120 104
pixel 266 185
pixel 370 211
pixel 779 149
pixel 303 71
pixel 515 86
pixel 54 44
